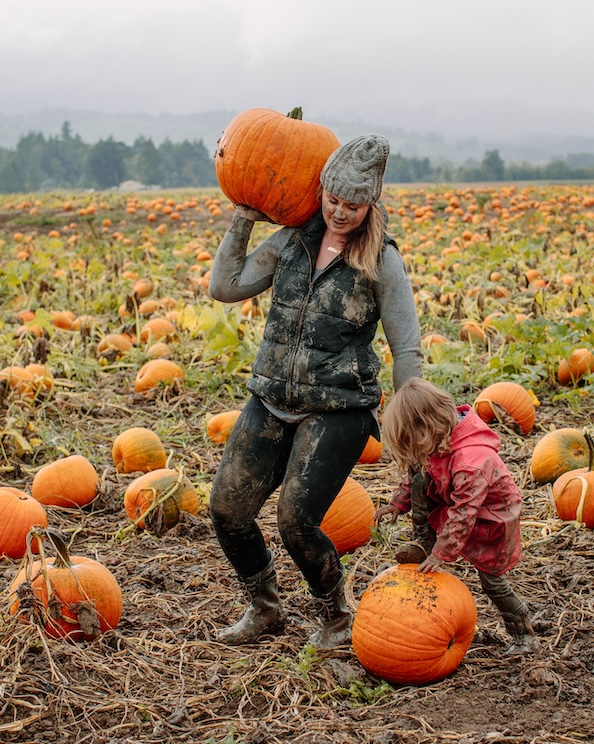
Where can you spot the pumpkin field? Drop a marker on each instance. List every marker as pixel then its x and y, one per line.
pixel 115 361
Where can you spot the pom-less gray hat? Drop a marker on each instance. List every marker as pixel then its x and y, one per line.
pixel 355 171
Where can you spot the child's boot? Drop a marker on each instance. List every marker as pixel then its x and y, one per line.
pixel 424 536
pixel 520 629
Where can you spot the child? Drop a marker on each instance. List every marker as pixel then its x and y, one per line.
pixel 464 500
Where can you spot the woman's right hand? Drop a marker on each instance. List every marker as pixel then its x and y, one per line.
pixel 251 214
pixel 388 510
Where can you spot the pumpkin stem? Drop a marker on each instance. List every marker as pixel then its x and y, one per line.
pixel 57 540
pixel 296 113
pixel 590 442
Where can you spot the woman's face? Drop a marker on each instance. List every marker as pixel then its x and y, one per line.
pixel 340 216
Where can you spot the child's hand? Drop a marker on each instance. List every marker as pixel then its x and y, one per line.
pixel 388 510
pixel 431 563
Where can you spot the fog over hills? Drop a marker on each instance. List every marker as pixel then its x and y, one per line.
pixel 93 126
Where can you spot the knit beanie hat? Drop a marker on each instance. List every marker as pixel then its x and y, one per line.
pixel 355 171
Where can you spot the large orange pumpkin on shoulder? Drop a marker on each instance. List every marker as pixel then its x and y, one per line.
pixel 412 628
pixel 272 163
pixel 349 519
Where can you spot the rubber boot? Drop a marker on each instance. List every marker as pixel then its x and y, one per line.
pixel 424 536
pixel 520 629
pixel 265 613
pixel 335 619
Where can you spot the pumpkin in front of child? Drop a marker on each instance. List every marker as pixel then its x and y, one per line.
pixel 413 628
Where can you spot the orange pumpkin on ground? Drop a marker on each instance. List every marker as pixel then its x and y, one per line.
pixel 41 377
pixel 512 398
pixel 151 487
pixel 157 372
pixel 219 426
pixel 69 483
pixel 157 329
pixel 412 628
pixel 372 451
pixel 349 519
pixel 580 363
pixel 272 163
pixel 80 597
pixel 138 449
pixel 557 452
pixel 18 380
pixel 114 341
pixel 573 491
pixel 160 350
pixel 19 512
pixel 142 287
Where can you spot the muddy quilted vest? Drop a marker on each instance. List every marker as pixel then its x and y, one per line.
pixel 316 353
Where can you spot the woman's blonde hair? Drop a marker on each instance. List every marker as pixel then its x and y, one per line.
pixel 364 245
pixel 418 422
pixel 363 248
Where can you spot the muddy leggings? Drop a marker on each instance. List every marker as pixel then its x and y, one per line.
pixel 310 460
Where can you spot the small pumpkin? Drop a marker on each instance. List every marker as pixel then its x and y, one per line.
pixel 19 512
pixel 164 484
pixel 349 519
pixel 41 377
pixel 157 372
pixel 18 380
pixel 372 451
pixel 114 342
pixel 80 598
pixel 160 350
pixel 580 363
pixel 412 628
pixel 219 426
pixel 69 483
pixel 573 491
pixel 138 449
pixel 157 329
pixel 143 287
pixel 557 452
pixel 272 163
pixel 515 400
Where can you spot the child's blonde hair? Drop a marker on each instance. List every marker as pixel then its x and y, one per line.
pixel 418 421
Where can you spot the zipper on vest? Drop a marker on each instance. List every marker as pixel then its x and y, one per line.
pixel 299 326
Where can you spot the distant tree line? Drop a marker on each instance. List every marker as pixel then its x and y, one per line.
pixel 65 161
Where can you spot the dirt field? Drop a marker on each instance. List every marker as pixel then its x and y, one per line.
pixel 161 676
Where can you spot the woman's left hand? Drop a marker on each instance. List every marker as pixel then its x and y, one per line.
pixel 430 564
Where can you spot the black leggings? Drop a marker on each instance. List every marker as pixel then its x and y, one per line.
pixel 310 460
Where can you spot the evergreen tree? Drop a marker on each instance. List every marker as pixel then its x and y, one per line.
pixel 105 165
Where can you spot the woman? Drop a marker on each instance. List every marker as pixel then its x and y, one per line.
pixel 314 386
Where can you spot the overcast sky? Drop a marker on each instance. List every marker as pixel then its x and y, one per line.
pixel 448 66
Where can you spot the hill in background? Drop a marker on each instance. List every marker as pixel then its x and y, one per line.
pixel 93 126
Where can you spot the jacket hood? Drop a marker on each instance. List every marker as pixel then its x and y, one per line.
pixel 472 430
